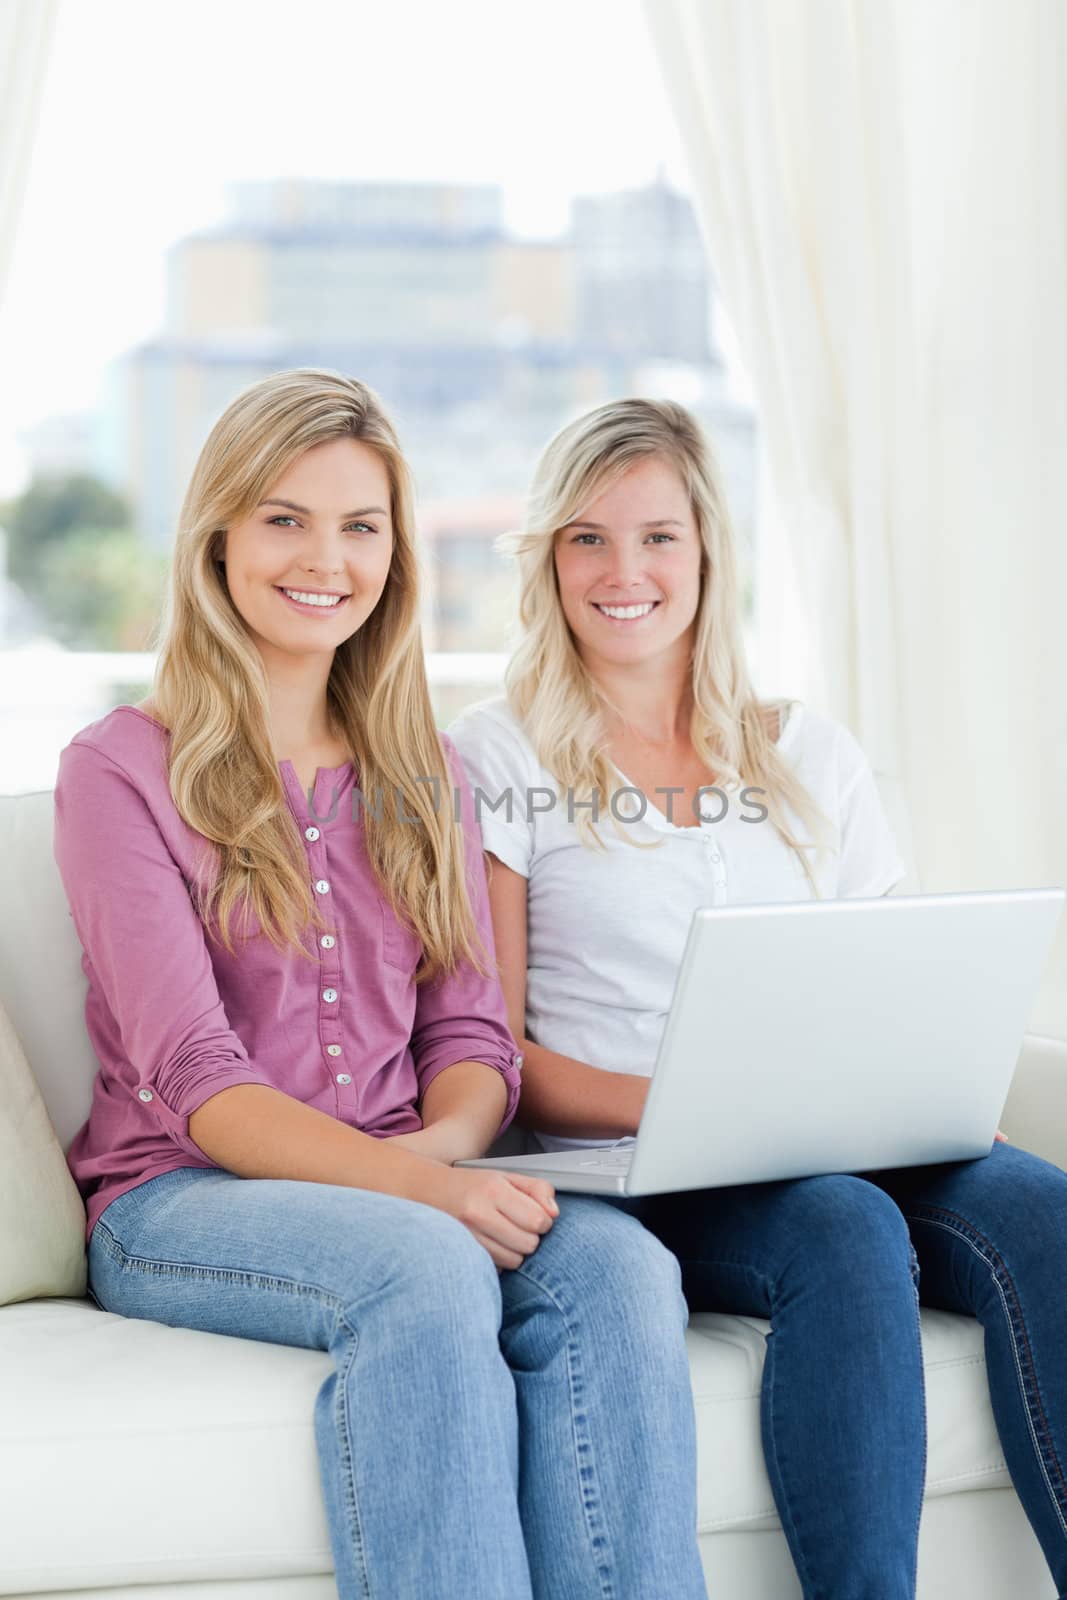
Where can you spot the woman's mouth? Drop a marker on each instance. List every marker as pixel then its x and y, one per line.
pixel 310 605
pixel 626 616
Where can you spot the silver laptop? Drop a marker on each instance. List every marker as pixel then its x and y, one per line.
pixel 829 1036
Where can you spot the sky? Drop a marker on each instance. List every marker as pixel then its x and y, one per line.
pixel 150 108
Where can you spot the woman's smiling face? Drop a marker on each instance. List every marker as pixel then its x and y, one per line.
pixel 628 569
pixel 324 527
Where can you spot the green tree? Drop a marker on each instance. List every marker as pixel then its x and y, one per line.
pixel 48 512
pixel 101 589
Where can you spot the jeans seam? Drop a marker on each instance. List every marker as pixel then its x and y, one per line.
pixel 926 1427
pixel 590 1505
pixel 260 1280
pixel 350 1472
pixel 1040 1433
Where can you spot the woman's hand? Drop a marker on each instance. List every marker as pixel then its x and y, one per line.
pixel 507 1212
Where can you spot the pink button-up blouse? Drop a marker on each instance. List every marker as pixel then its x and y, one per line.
pixel 174 1018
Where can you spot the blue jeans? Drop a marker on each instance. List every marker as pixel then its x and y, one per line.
pixel 835 1263
pixel 483 1435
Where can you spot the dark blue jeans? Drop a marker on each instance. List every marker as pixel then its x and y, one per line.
pixel 836 1263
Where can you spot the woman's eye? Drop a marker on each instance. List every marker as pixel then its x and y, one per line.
pixel 366 527
pixel 594 538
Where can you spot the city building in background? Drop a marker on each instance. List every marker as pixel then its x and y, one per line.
pixel 481 344
pixel 473 589
pixel 642 277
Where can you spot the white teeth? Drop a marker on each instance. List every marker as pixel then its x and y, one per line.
pixel 624 613
pixel 314 599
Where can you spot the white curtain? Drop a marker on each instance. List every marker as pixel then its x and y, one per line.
pixel 883 188
pixel 25 35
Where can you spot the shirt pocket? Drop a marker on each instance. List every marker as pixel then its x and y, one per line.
pixel 401 948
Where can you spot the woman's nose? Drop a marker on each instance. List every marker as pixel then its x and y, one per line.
pixel 626 570
pixel 325 559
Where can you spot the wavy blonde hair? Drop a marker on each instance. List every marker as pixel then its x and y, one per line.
pixel 211 692
pixel 549 688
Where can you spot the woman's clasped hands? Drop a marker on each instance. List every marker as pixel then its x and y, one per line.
pixel 507 1212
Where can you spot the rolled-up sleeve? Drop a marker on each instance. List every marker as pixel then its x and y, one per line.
pixel 145 948
pixel 463 1017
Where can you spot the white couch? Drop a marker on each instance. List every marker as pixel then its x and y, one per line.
pixel 214 1494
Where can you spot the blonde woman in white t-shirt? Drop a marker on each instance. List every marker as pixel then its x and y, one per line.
pixel 629 775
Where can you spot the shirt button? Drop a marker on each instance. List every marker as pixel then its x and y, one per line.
pixel 344 1077
pixel 520 1060
pixel 329 995
pixel 327 941
pixel 311 833
pixel 322 887
pixel 333 1049
pixel 145 1094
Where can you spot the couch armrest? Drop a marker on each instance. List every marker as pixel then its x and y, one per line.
pixel 1035 1113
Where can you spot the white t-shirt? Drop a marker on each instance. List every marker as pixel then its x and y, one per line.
pixel 606 929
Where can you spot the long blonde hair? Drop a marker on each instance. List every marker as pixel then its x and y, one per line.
pixel 211 692
pixel 548 686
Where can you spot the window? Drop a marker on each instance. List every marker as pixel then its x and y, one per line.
pixel 494 240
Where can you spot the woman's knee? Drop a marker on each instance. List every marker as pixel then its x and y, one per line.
pixel 1011 1182
pixel 1012 1204
pixel 434 1263
pixel 610 1254
pixel 849 1227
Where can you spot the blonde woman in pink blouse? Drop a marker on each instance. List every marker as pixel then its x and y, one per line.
pixel 276 877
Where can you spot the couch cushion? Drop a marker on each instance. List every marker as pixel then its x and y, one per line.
pixel 1035 1116
pixel 101 1488
pixel 42 985
pixel 132 1452
pixel 42 1219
